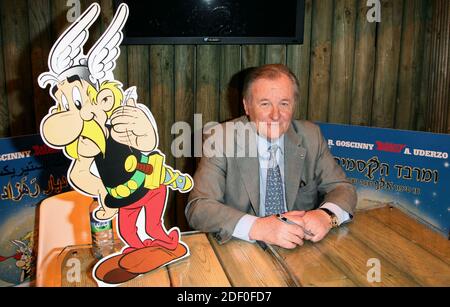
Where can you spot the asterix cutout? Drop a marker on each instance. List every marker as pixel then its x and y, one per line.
pixel 112 141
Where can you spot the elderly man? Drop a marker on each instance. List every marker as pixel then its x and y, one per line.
pixel 289 191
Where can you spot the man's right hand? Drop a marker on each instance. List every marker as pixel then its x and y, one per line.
pixel 273 231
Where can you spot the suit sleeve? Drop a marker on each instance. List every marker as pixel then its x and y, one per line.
pixel 331 179
pixel 206 209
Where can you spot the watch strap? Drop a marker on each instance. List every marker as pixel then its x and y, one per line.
pixel 334 219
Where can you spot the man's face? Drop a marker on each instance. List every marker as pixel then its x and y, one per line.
pixel 271 106
pixel 75 118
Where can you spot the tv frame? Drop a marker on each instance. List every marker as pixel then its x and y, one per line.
pixel 239 40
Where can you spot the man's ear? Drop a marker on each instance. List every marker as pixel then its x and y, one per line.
pixel 245 106
pixel 105 99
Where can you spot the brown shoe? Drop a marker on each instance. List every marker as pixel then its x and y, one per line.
pixel 150 258
pixel 110 272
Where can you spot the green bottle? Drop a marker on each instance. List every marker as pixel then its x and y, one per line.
pixel 102 234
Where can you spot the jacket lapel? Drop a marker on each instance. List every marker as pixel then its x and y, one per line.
pixel 294 159
pixel 249 167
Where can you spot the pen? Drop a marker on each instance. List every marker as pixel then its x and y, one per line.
pixel 287 221
pixel 262 244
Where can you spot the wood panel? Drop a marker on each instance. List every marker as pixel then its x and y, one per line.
pixel 343 46
pixel 106 14
pixel 387 64
pixel 16 53
pixel 247 265
pixel 298 58
pixel 275 54
pixel 40 37
pixel 421 121
pixel 313 268
pixel 207 83
pixel 139 72
pixel 253 55
pixel 4 113
pixel 408 255
pixel 319 83
pixel 184 112
pixel 203 269
pixel 162 106
pixel 95 31
pixel 230 79
pixel 438 108
pixel 351 255
pixel 157 278
pixel 364 68
pixel 389 97
pixel 121 70
pixel 410 64
pixel 410 228
pixel 162 95
pixel 422 266
pixel 59 10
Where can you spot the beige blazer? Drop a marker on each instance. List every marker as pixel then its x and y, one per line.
pixel 226 188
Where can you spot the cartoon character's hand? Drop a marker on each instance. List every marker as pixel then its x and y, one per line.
pixel 105 213
pixel 132 127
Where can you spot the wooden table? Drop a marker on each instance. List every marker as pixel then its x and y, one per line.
pixel 409 254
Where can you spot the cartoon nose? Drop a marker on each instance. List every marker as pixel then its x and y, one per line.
pixel 69 122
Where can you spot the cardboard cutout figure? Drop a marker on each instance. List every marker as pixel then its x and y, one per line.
pixel 112 141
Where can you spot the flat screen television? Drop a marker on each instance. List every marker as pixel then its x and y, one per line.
pixel 214 21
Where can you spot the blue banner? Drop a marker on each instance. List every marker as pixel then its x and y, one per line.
pixel 29 172
pixel 406 169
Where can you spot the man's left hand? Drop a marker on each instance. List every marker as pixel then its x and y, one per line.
pixel 318 222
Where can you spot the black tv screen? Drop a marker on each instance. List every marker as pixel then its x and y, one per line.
pixel 214 22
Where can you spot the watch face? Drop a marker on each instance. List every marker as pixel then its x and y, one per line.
pixel 334 221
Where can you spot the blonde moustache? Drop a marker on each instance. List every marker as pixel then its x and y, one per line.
pixel 91 130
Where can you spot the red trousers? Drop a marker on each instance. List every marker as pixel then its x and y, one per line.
pixel 153 203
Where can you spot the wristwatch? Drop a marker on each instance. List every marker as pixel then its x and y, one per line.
pixel 334 219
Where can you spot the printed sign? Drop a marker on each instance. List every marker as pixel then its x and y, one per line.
pixel 405 169
pixel 29 172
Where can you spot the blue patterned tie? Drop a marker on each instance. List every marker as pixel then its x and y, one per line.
pixel 274 202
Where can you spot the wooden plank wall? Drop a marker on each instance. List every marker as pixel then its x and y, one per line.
pixel 350 71
pixel 438 109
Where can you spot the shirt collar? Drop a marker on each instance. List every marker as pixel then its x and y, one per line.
pixel 264 144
